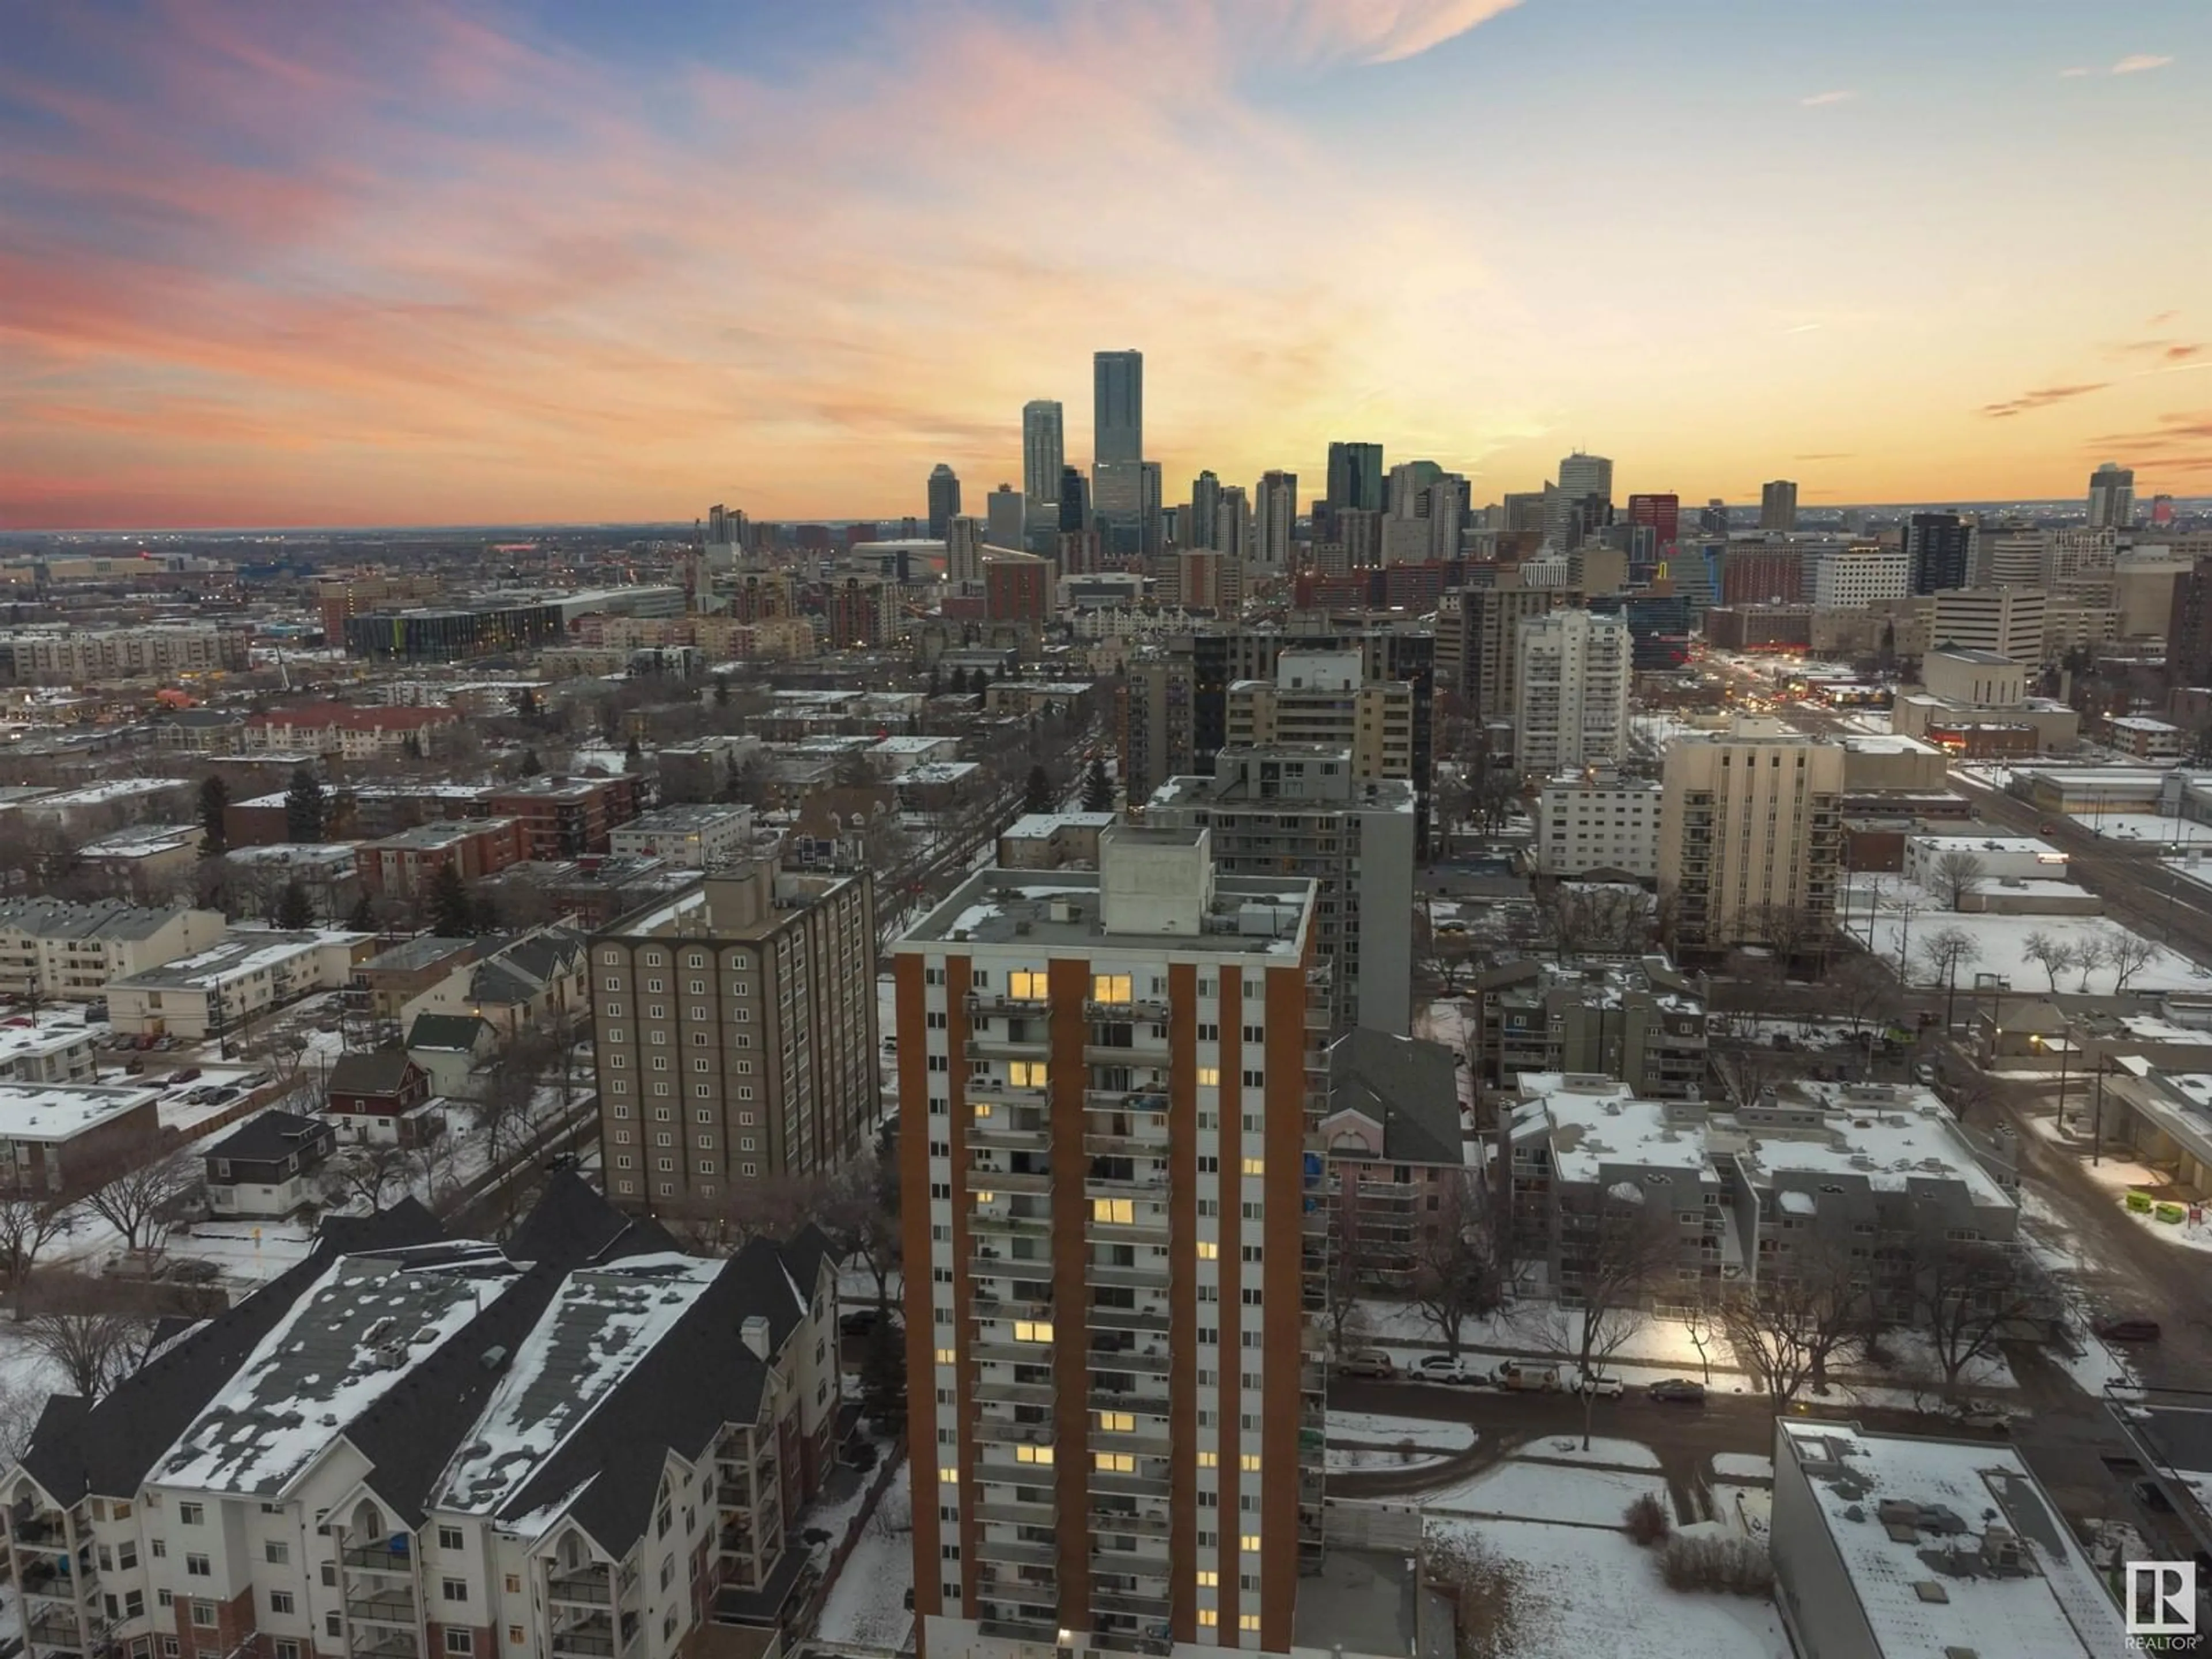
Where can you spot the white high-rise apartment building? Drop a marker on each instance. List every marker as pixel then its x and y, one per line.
pixel 2111 497
pixel 1598 821
pixel 1274 514
pixel 1863 571
pixel 1115 1406
pixel 964 550
pixel 1751 836
pixel 1571 691
pixel 1044 453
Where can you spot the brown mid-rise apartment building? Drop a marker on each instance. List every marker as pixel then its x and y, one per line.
pixel 1109 1082
pixel 567 817
pixel 735 1030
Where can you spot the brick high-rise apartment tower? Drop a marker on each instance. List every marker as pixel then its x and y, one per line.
pixel 1109 1082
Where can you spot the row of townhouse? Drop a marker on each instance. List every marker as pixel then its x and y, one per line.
pixel 583 1446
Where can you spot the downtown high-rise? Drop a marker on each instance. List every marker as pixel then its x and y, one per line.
pixel 1111 1079
pixel 943 498
pixel 2111 497
pixel 1044 453
pixel 1778 505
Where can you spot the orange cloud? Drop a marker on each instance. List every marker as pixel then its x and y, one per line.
pixel 2041 398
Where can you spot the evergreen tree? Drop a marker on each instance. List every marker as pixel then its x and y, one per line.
pixel 1000 672
pixel 883 1375
pixel 411 746
pixel 979 683
pixel 527 706
pixel 453 915
pixel 293 911
pixel 363 917
pixel 303 808
pixel 1037 793
pixel 733 782
pixel 215 795
pixel 936 679
pixel 1097 788
pixel 531 766
pixel 633 757
pixel 721 691
pixel 485 912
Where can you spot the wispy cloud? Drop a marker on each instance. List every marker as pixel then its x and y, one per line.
pixel 2138 61
pixel 2041 398
pixel 1842 95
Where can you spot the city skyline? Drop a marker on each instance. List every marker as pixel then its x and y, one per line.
pixel 269 267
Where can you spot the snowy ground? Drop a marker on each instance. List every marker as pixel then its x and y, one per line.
pixel 865 1605
pixel 1568 1448
pixel 1595 1497
pixel 1595 1595
pixel 1428 1432
pixel 1743 1466
pixel 2001 944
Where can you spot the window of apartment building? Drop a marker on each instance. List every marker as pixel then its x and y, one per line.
pixel 203 1614
pixel 1209 1077
pixel 195 1566
pixel 748 1169
pixel 191 1514
pixel 1120 1211
pixel 330 1573
pixel 514 1635
pixel 276 1553
pixel 455 1590
pixel 281 1601
pixel 460 1640
pixel 1115 1462
pixel 332 1625
pixel 1032 1330
pixel 1255 1166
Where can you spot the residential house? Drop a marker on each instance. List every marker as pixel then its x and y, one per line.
pixel 532 979
pixel 385 1097
pixel 450 1047
pixel 1398 1161
pixel 266 1168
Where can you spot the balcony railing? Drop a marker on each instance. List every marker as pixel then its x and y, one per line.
pixel 379 1558
pixel 589 1590
pixel 385 1607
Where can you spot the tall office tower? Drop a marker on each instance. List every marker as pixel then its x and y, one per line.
pixel 2079 555
pixel 1751 836
pixel 736 1038
pixel 943 498
pixel 1005 516
pixel 1117 381
pixel 1753 575
pixel 1358 532
pixel 963 551
pixel 1778 505
pixel 1487 625
pixel 1115 1416
pixel 1428 507
pixel 1660 514
pixel 1274 514
pixel 1355 474
pixel 1074 501
pixel 1117 503
pixel 1852 574
pixel 1204 511
pixel 2005 555
pixel 1149 502
pixel 1572 699
pixel 1044 453
pixel 1232 523
pixel 1581 476
pixel 1936 546
pixel 1713 518
pixel 1297 810
pixel 2111 497
pixel 1525 510
pixel 2008 622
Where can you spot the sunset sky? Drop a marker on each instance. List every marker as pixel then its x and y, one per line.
pixel 391 263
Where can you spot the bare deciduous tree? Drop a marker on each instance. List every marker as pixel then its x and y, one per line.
pixel 1957 873
pixel 2052 954
pixel 94 1347
pixel 1637 1242
pixel 1865 989
pixel 1967 1298
pixel 142 1200
pixel 2089 955
pixel 1457 1273
pixel 2128 954
pixel 29 1221
pixel 373 1174
pixel 1945 951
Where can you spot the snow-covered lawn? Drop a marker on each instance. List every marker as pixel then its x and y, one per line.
pixel 1743 1466
pixel 1353 1459
pixel 2000 948
pixel 1542 1491
pixel 866 1606
pixel 1429 1433
pixel 1568 1448
pixel 1595 1595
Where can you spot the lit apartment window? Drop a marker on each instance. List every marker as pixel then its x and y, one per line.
pixel 1025 985
pixel 1115 1462
pixel 947 1356
pixel 1208 1617
pixel 1025 1074
pixel 982 1197
pixel 948 1476
pixel 1207 1579
pixel 1248 1621
pixel 1209 1077
pixel 1123 1211
pixel 1207 1460
pixel 1207 1249
pixel 1110 987
pixel 1249 1543
pixel 1250 1462
pixel 1255 1166
pixel 1117 1422
pixel 1033 1454
pixel 1032 1330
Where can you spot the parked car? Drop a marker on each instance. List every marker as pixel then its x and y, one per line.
pixel 256 1079
pixel 1366 1362
pixel 182 1075
pixel 561 1161
pixel 1988 1419
pixel 1679 1390
pixel 1439 1368
pixel 1523 1376
pixel 1602 1385
pixel 1924 1074
pixel 2130 1329
pixel 219 1094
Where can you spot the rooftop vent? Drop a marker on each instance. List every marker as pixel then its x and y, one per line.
pixel 1929 1590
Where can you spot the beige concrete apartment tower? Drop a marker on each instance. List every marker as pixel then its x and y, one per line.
pixel 1750 833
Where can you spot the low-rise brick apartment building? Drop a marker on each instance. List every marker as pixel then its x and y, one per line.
pixel 580 1445
pixel 350 732
pixel 567 817
pixel 404 864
